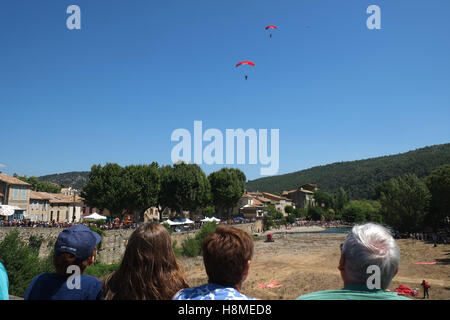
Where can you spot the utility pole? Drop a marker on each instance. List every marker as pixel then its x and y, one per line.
pixel 73 215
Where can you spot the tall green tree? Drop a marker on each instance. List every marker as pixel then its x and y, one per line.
pixel 227 187
pixel 405 203
pixel 438 182
pixel 323 199
pixel 340 200
pixel 143 186
pixel 184 187
pixel 41 186
pixel 361 211
pixel 106 188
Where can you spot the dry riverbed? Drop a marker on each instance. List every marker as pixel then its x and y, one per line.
pixel 307 262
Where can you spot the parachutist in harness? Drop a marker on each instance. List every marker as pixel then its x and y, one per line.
pixel 246 77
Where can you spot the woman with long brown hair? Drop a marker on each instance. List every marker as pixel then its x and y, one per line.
pixel 149 269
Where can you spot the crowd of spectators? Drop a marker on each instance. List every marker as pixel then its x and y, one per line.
pixel 150 271
pixel 441 237
pixel 34 224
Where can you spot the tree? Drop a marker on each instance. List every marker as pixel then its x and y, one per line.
pixel 405 203
pixel 184 187
pixel 227 187
pixel 209 211
pixel 192 247
pixel 106 188
pixel 315 213
pixel 22 262
pixel 143 187
pixel 290 218
pixel 361 211
pixel 41 186
pixel 340 200
pixel 289 209
pixel 438 182
pixel 323 199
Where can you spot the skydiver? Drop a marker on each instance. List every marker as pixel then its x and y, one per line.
pixel 246 77
pixel 271 35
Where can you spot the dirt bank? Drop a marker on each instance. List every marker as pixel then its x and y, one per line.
pixel 308 262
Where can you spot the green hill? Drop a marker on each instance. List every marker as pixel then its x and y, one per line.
pixel 75 179
pixel 360 177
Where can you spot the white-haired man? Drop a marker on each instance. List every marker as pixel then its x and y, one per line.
pixel 369 260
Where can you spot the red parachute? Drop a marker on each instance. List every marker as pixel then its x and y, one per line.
pixel 245 62
pixel 271 27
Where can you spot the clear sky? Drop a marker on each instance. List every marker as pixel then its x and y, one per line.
pixel 115 90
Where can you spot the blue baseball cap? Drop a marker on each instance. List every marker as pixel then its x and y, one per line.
pixel 78 240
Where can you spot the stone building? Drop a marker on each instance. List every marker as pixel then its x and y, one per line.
pixel 303 196
pixel 56 207
pixel 65 208
pixel 16 193
pixel 39 207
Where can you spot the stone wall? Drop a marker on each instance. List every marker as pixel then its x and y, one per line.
pixel 114 242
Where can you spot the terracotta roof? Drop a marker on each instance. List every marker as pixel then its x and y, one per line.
pixel 55 198
pixel 11 180
pixel 263 199
pixel 288 192
pixel 246 195
pixel 257 203
pixel 274 196
pixel 39 195
pixel 306 191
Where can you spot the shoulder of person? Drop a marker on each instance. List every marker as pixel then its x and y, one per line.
pixel 91 280
pixel 322 295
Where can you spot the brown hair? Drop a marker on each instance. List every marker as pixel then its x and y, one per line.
pixel 226 253
pixel 149 269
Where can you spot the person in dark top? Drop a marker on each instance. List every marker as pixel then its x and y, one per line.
pixel 425 286
pixel 74 251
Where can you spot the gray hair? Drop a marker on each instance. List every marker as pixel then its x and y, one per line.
pixel 371 244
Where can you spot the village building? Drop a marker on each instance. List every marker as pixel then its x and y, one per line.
pixel 65 208
pixel 250 208
pixel 15 193
pixel 39 207
pixel 54 207
pixel 303 196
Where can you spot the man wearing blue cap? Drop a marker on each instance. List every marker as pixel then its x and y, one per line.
pixel 74 251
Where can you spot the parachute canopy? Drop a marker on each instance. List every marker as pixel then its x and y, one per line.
pixel 271 27
pixel 245 62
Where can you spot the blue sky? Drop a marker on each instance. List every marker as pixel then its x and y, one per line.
pixel 115 90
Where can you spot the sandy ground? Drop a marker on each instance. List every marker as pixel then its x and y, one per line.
pixel 307 262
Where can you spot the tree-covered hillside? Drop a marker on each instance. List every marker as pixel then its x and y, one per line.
pixel 359 178
pixel 75 179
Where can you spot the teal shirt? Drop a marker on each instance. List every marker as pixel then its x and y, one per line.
pixel 353 292
pixel 4 283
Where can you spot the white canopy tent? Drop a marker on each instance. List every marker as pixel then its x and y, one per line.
pixel 210 219
pixel 178 222
pixel 187 221
pixel 6 210
pixel 171 223
pixel 95 216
